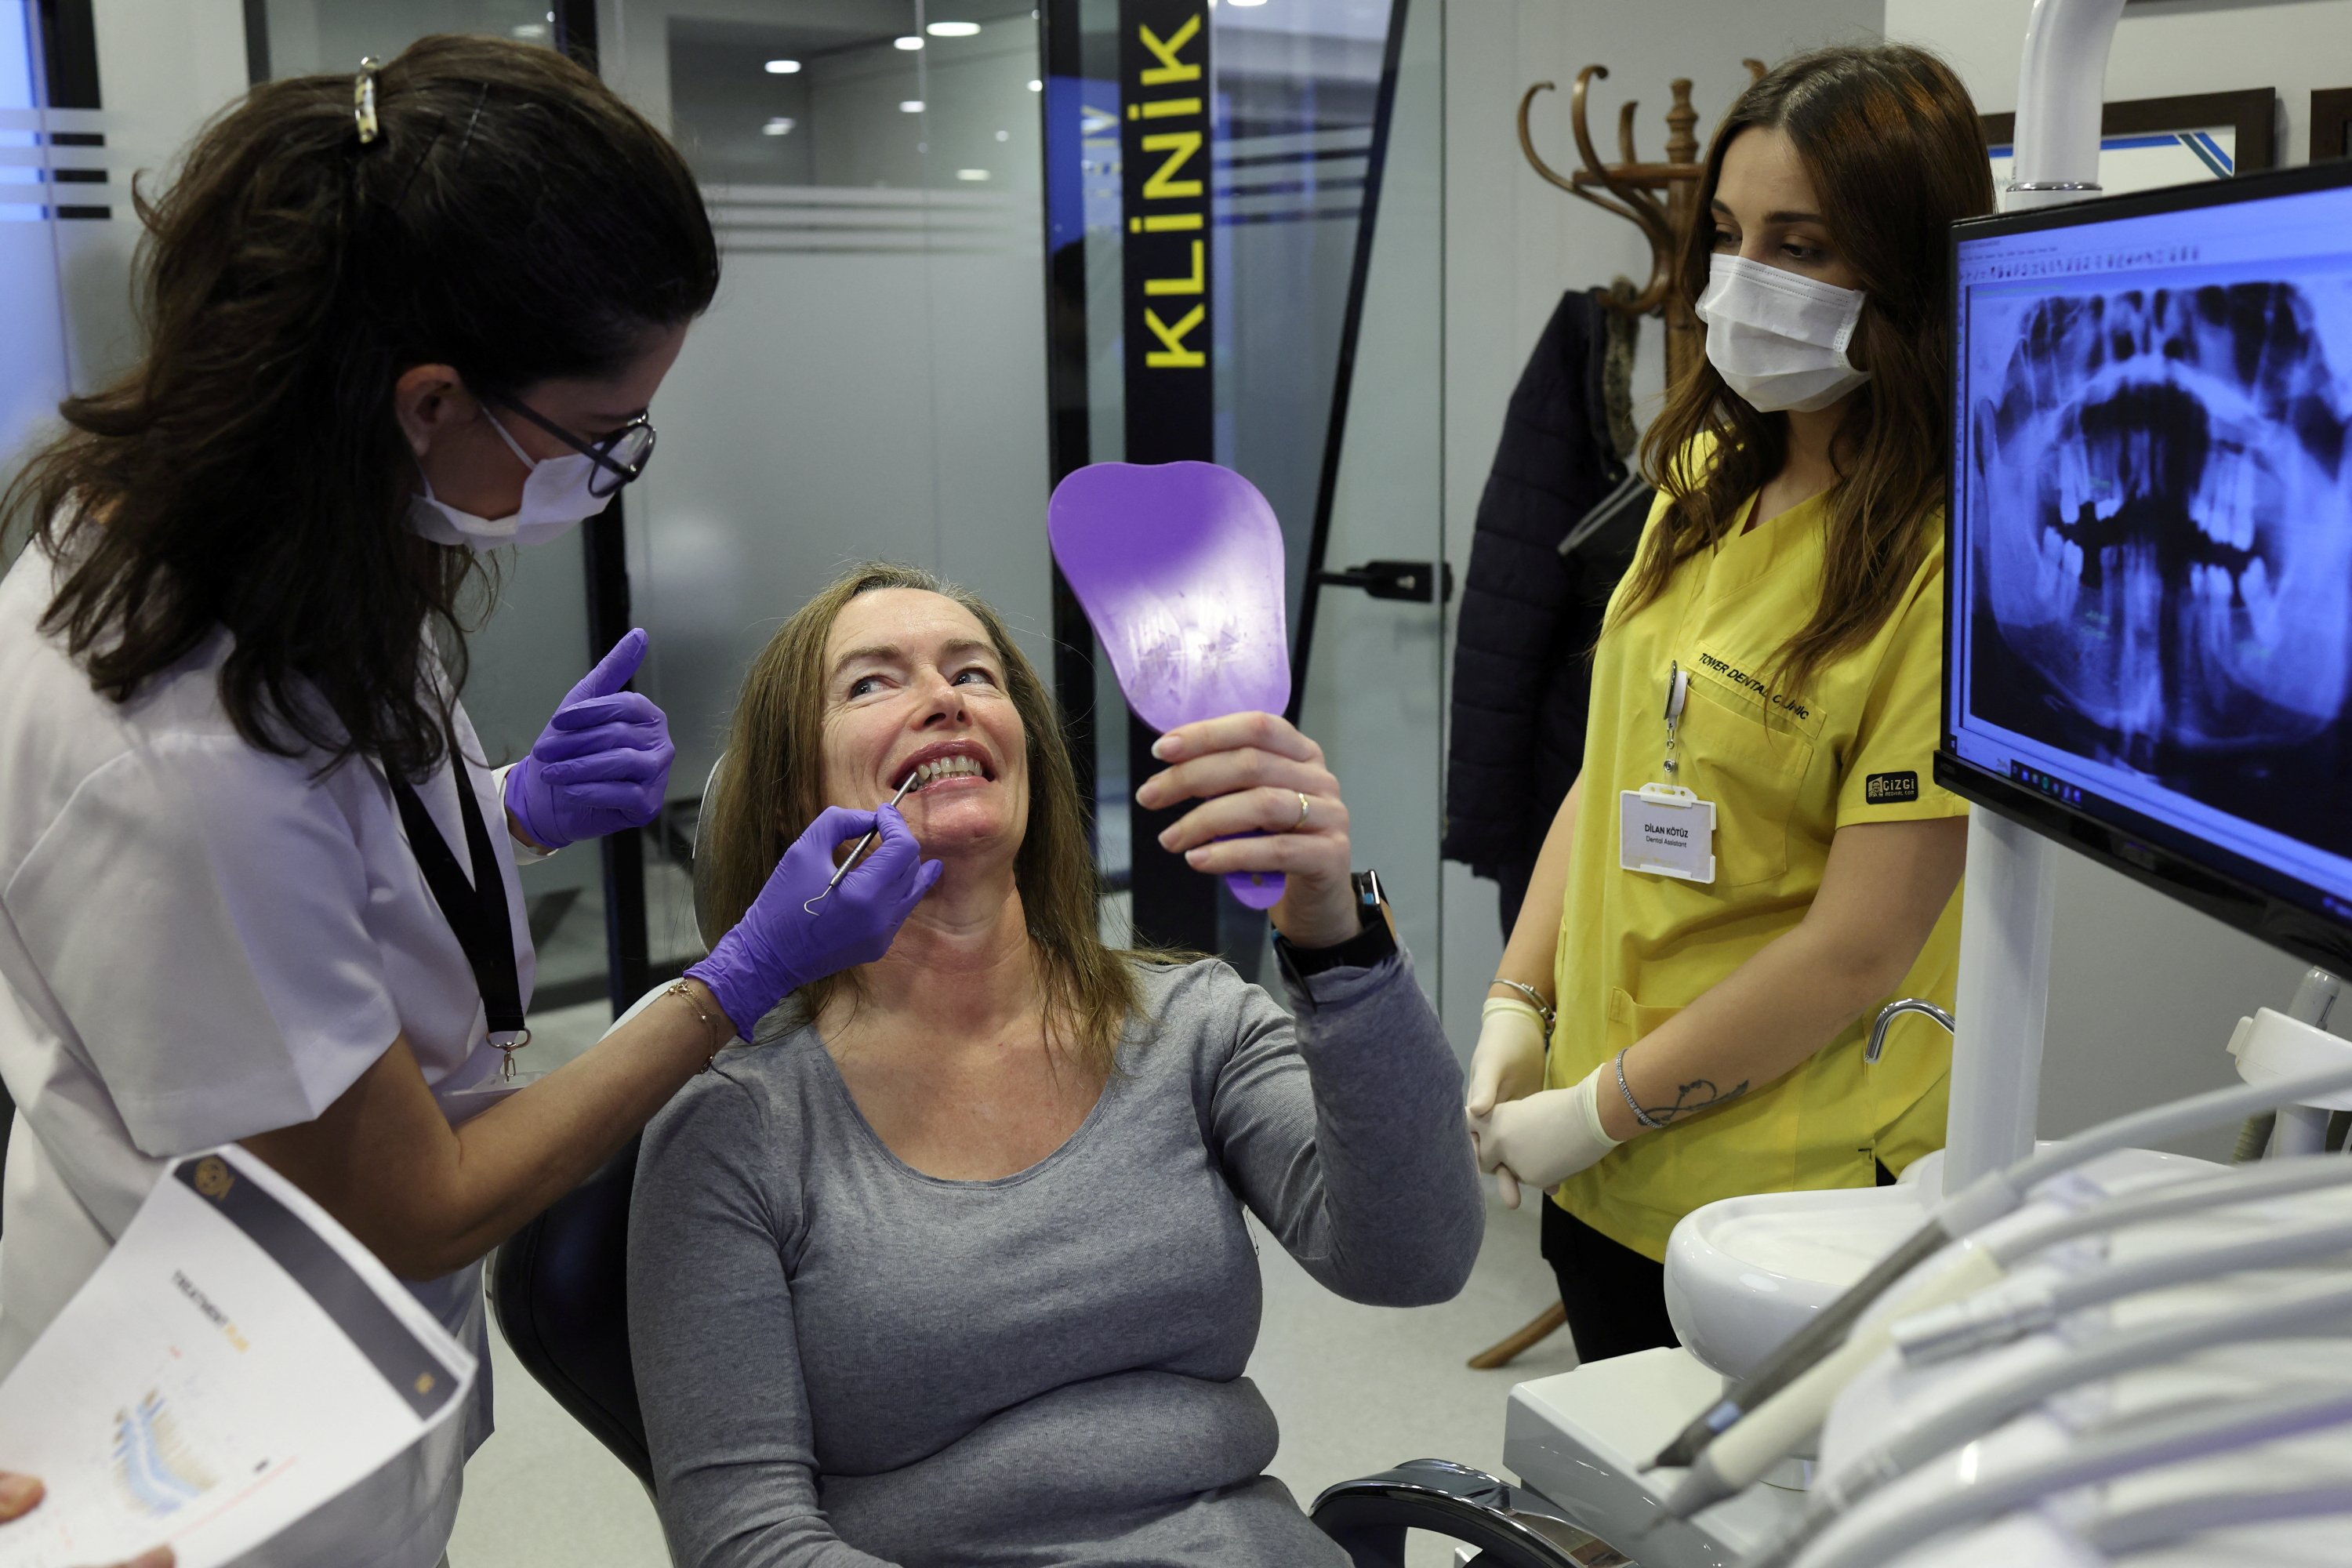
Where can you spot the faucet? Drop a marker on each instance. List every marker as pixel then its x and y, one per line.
pixel 1893 1010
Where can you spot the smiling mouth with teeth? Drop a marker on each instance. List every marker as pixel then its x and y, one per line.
pixel 946 768
pixel 2163 514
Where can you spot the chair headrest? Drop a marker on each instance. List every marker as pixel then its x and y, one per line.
pixel 703 922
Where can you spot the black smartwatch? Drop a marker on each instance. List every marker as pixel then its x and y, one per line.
pixel 1374 941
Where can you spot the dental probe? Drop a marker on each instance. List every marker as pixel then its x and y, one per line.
pixel 1986 1199
pixel 859 848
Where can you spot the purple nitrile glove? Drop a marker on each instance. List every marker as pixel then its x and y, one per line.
pixel 602 762
pixel 790 936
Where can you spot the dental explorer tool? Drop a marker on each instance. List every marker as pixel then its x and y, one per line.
pixel 859 848
pixel 1986 1199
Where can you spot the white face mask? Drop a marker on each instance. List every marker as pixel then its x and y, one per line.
pixel 1779 339
pixel 555 500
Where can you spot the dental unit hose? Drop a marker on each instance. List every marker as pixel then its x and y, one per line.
pixel 2307 1312
pixel 1778 1425
pixel 1988 1198
pixel 2135 1529
pixel 2193 1435
pixel 1996 1317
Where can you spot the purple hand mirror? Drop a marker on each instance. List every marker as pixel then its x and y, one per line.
pixel 1180 568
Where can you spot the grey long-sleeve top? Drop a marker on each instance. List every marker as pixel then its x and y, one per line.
pixel 844 1361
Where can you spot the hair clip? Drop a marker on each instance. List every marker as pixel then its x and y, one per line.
pixel 363 99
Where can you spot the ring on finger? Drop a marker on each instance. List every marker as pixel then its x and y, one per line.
pixel 1305 807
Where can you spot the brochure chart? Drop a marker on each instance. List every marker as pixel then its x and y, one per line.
pixel 237 1361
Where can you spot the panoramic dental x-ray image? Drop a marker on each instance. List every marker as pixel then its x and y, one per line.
pixel 2181 604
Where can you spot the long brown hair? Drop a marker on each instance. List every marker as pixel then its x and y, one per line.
pixel 772 786
pixel 513 218
pixel 1894 151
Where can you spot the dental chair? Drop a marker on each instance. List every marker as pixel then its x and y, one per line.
pixel 559 1288
pixel 560 1285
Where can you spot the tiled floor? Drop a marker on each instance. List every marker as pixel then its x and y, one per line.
pixel 1356 1389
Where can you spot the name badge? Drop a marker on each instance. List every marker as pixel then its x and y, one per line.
pixel 1665 830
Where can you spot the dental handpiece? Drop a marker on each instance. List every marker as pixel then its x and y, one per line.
pixel 861 846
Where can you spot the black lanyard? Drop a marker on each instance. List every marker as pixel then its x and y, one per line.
pixel 477 912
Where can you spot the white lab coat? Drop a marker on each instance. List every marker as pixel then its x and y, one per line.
pixel 200 941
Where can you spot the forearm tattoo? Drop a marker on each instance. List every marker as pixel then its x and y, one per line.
pixel 1690 1098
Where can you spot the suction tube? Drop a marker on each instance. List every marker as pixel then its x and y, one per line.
pixel 1981 1202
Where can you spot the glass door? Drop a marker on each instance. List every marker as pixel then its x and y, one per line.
pixel 1321 275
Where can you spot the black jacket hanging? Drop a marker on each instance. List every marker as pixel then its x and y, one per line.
pixel 1530 616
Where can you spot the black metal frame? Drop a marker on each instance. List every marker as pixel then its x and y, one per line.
pixel 604 540
pixel 68 45
pixel 1068 436
pixel 2264 903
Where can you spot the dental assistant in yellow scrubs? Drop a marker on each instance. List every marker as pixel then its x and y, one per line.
pixel 1757 855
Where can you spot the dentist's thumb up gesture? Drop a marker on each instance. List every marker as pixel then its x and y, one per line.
pixel 603 763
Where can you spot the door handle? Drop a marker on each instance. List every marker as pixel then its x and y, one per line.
pixel 1416 582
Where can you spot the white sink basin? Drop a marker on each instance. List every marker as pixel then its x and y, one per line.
pixel 1744 1274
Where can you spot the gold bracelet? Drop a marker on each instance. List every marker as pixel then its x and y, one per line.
pixel 685 993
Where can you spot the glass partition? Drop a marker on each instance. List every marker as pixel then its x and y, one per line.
pixel 870 383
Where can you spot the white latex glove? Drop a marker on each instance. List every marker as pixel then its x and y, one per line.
pixel 1541 1141
pixel 1509 1064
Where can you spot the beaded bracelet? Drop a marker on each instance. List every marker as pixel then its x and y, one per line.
pixel 1632 1104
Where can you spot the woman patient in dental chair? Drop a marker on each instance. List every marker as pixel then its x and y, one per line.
pixel 949 1264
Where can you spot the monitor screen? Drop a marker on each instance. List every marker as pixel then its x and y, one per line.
pixel 2149 643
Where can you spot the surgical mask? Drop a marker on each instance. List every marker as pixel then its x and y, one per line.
pixel 555 500
pixel 1779 339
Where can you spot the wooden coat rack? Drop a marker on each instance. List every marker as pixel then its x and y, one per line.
pixel 1659 199
pixel 1662 201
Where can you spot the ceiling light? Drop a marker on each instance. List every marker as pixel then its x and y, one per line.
pixel 910 106
pixel 780 126
pixel 1036 86
pixel 1004 136
pixel 972 173
pixel 907 43
pixel 532 31
pixel 952 29
pixel 1244 2
pixel 782 67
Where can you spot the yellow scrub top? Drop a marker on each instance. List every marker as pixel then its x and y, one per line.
pixel 1785 771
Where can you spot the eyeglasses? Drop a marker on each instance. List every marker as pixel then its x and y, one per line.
pixel 619 457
